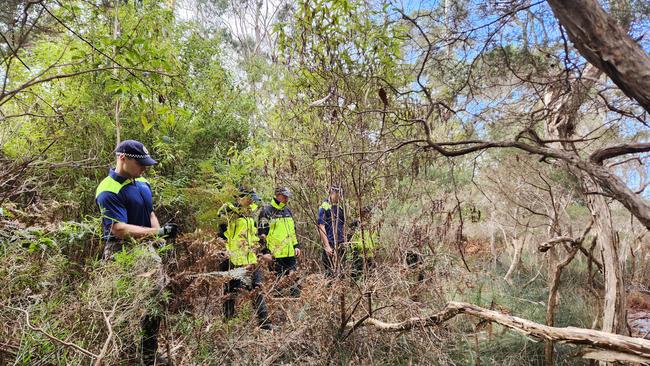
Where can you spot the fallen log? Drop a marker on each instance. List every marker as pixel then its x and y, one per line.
pixel 608 345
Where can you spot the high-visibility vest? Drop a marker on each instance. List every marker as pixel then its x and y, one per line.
pixel 241 237
pixel 111 185
pixel 364 241
pixel 281 239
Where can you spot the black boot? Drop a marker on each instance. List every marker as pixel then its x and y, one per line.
pixel 150 326
pixel 229 309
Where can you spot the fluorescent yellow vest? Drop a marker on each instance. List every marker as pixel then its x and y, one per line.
pixel 111 185
pixel 364 240
pixel 281 239
pixel 242 239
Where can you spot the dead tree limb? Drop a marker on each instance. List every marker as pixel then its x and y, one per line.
pixel 574 242
pixel 51 337
pixel 109 338
pixel 613 345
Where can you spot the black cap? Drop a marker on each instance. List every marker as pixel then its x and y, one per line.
pixel 135 150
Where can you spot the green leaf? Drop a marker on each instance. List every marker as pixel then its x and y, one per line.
pixel 145 123
pixel 171 120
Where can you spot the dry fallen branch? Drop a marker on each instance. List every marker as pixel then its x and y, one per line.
pixel 615 346
pixel 51 337
pixel 109 338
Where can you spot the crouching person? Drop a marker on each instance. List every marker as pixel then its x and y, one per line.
pixel 363 243
pixel 239 230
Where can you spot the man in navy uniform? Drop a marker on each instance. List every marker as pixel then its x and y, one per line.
pixel 331 229
pixel 125 200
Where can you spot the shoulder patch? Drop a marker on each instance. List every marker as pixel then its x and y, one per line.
pixel 108 185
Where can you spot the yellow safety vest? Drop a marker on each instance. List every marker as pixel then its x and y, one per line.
pixel 364 241
pixel 281 239
pixel 241 235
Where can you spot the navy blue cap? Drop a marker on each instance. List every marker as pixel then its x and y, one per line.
pixel 248 191
pixel 135 150
pixel 283 191
pixel 336 189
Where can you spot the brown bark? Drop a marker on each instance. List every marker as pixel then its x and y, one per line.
pixel 607 46
pixel 553 282
pixel 555 268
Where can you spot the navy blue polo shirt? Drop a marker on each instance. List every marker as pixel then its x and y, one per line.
pixel 133 204
pixel 329 214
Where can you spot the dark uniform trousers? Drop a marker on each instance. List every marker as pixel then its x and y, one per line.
pixel 284 267
pixel 232 287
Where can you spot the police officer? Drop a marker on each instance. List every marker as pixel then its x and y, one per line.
pixel 363 242
pixel 239 230
pixel 331 229
pixel 278 233
pixel 125 200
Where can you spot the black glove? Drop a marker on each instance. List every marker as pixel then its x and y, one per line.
pixel 169 230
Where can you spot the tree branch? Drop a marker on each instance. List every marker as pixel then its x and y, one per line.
pixel 29 84
pixel 109 338
pixel 613 151
pixel 619 345
pixel 51 337
pixel 606 45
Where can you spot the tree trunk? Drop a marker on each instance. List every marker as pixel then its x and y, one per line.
pixel 553 286
pixel 518 247
pixel 116 31
pixel 607 46
pixel 614 319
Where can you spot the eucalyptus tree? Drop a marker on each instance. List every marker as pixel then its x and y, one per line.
pixel 458 78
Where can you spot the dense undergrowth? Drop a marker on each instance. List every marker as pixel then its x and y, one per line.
pixel 53 275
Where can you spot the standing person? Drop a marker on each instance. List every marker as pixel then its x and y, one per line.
pixel 125 201
pixel 278 232
pixel 239 231
pixel 331 229
pixel 363 242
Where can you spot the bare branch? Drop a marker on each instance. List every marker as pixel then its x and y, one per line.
pixel 613 151
pixel 51 337
pixel 109 337
pixel 617 344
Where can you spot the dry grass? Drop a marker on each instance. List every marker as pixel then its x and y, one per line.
pixel 638 301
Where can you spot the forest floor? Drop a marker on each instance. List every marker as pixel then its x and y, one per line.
pixel 638 314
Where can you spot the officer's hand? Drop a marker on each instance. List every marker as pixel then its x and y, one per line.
pixel 328 250
pixel 297 250
pixel 169 230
